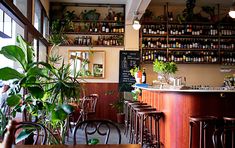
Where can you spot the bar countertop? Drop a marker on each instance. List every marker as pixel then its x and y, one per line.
pixel 185 89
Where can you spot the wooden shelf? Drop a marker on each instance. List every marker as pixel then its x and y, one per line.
pixel 154 35
pixel 121 46
pixel 193 36
pixel 94 33
pixel 192 49
pixel 99 21
pixel 148 48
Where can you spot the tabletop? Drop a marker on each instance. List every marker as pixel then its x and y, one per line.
pixel 80 146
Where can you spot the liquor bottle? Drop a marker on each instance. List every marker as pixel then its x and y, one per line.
pixel 144 29
pixel 95 28
pixel 107 29
pixel 90 28
pixel 103 27
pixel 144 77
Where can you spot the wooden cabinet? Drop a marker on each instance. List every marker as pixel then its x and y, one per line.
pixel 91 24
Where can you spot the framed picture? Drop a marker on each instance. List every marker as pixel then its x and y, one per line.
pixel 98 70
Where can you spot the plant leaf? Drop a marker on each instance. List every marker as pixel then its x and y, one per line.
pixel 67 108
pixel 13 100
pixel 29 52
pixel 36 91
pixel 58 115
pixel 8 73
pixel 23 135
pixel 14 53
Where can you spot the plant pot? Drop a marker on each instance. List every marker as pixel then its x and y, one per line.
pixel 120 118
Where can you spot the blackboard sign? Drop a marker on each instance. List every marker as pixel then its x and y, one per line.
pixel 127 60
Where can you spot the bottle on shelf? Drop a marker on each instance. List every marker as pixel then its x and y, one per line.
pixel 144 77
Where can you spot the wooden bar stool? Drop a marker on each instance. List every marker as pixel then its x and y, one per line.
pixel 151 115
pixel 136 119
pixel 131 117
pixel 229 121
pixel 127 104
pixel 204 122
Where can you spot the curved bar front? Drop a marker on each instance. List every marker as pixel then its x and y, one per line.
pixel 179 105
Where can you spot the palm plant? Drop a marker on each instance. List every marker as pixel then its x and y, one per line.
pixel 45 88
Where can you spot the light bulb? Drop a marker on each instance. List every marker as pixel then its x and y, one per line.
pixel 136 25
pixel 232 11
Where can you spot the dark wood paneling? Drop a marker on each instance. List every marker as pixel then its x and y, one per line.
pixel 178 107
pixel 103 108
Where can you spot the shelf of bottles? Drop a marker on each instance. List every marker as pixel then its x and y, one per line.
pixel 188 42
pixel 100 41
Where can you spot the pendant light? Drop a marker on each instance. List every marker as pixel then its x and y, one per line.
pixel 232 10
pixel 136 23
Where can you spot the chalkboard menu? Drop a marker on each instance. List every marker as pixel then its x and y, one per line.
pixel 127 60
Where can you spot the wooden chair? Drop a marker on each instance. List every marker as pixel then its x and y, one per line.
pixel 86 107
pixel 26 133
pixel 223 137
pixel 98 128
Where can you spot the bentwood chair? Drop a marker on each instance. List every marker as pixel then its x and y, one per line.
pixel 223 137
pixel 27 133
pixel 86 108
pixel 96 129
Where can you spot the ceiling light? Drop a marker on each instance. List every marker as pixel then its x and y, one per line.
pixel 136 24
pixel 232 11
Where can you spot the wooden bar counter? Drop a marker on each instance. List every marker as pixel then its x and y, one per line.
pixel 179 105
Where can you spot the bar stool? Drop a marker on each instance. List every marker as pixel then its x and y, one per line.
pixel 127 115
pixel 143 116
pixel 230 121
pixel 132 117
pixel 204 122
pixel 135 130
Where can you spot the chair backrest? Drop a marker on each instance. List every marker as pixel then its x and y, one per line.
pixel 25 133
pixel 88 103
pixel 224 137
pixel 101 129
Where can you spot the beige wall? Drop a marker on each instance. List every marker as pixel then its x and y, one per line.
pixel 45 4
pixel 196 74
pixel 111 63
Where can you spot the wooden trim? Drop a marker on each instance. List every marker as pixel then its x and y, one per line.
pixel 29 10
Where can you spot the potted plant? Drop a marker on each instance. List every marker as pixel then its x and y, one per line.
pixel 119 106
pixel 164 69
pixel 46 88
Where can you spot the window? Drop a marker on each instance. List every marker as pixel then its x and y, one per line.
pixel 37 15
pixel 42 52
pixel 45 27
pixel 22 6
pixel 16 30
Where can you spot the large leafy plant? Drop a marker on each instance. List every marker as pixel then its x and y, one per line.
pixel 164 69
pixel 45 88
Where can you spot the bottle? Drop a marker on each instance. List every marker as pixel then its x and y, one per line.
pixel 144 77
pixel 139 76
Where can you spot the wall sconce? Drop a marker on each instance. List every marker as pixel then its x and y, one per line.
pixel 136 24
pixel 232 10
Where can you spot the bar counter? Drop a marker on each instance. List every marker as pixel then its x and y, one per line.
pixel 178 105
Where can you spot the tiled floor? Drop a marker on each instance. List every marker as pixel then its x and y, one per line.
pixel 112 140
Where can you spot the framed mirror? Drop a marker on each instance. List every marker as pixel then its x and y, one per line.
pixel 87 63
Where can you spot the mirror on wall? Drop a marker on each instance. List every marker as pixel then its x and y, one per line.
pixel 87 63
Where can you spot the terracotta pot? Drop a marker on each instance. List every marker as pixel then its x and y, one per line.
pixel 120 118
